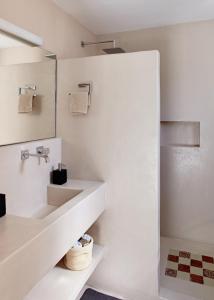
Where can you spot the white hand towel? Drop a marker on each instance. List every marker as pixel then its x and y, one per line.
pixel 79 103
pixel 25 103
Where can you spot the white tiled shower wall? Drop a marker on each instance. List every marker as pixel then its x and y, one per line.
pixel 25 183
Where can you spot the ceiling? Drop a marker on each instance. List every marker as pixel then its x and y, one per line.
pixel 108 16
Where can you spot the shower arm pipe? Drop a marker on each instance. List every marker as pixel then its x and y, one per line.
pixel 83 44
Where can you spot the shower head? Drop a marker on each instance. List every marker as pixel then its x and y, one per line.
pixel 113 50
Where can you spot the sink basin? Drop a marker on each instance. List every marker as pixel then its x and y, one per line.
pixel 56 197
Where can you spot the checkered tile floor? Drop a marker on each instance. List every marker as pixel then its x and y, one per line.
pixel 191 267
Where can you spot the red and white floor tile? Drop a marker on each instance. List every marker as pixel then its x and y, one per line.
pixel 187 268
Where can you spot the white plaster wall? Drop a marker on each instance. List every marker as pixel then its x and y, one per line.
pixel 187 93
pixel 118 141
pixel 25 183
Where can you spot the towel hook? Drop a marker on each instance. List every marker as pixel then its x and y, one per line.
pixel 85 85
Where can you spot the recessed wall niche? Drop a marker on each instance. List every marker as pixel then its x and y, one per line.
pixel 180 133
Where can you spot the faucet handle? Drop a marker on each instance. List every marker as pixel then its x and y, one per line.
pixel 25 154
pixel 42 150
pixel 39 150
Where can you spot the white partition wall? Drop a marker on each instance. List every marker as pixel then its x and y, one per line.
pixel 118 141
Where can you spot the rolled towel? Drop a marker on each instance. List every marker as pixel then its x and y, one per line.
pixel 86 237
pixel 79 103
pixel 77 245
pixel 25 103
pixel 85 240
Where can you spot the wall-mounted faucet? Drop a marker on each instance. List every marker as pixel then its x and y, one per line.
pixel 41 152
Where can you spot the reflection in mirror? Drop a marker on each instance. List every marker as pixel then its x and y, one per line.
pixel 27 92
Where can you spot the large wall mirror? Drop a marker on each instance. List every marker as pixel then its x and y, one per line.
pixel 27 91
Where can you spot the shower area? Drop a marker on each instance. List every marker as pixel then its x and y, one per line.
pixel 187 206
pixel 186 172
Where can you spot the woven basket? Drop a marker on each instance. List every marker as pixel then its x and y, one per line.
pixel 78 259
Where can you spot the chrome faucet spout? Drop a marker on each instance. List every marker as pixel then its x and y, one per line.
pixel 41 152
pixel 47 159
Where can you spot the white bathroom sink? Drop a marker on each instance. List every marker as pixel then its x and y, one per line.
pixel 56 197
pixel 34 242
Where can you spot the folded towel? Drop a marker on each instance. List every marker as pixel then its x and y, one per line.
pixel 79 103
pixel 25 103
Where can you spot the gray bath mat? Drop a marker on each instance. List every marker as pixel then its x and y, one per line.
pixel 94 295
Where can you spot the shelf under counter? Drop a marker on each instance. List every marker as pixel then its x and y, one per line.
pixel 61 283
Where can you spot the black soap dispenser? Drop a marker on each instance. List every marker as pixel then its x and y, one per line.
pixel 59 176
pixel 2 205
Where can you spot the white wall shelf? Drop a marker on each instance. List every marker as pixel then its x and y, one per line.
pixel 61 283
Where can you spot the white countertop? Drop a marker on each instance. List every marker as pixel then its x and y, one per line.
pixel 18 234
pixel 16 231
